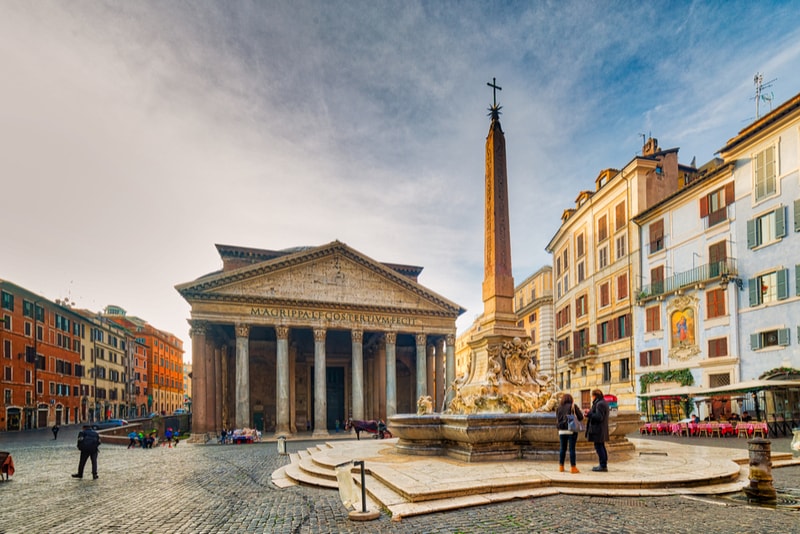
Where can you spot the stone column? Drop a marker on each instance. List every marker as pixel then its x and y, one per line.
pixel 282 381
pixel 320 386
pixel 292 389
pixel 438 373
pixel 242 375
pixel 431 373
pixel 358 373
pixel 422 375
pixel 211 369
pixel 200 414
pixel 224 370
pixel 450 366
pixel 218 355
pixel 391 374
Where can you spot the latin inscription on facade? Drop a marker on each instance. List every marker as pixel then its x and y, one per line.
pixel 334 316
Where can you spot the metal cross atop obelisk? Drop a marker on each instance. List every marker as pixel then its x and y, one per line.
pixel 495 109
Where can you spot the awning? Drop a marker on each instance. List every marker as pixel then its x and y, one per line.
pixel 683 391
pixel 753 385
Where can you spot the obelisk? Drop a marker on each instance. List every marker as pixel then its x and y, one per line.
pixel 498 281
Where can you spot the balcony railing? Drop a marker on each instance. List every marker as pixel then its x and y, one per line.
pixel 699 275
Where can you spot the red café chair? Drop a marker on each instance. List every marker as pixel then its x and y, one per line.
pixel 741 428
pixel 702 429
pixel 759 428
pixel 714 428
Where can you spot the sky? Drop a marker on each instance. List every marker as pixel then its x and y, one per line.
pixel 134 136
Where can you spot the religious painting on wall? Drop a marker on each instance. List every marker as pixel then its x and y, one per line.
pixel 682 327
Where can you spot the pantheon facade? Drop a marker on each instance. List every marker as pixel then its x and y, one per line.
pixel 304 338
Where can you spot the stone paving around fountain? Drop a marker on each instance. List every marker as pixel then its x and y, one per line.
pixel 412 485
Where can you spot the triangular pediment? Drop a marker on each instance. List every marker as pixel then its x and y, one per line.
pixel 330 275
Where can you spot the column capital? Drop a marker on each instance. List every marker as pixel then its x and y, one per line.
pixel 242 330
pixel 282 331
pixel 391 337
pixel 319 334
pixel 357 336
pixel 451 339
pixel 198 328
pixel 421 339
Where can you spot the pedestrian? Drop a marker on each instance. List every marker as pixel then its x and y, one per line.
pixel 55 431
pixel 88 444
pixel 167 438
pixel 567 436
pixel 224 436
pixel 140 439
pixel 597 429
pixel 132 435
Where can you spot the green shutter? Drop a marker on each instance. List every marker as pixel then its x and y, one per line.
pixel 751 233
pixel 755 294
pixel 780 222
pixel 783 283
pixel 797 282
pixel 797 215
pixel 783 337
pixel 755 341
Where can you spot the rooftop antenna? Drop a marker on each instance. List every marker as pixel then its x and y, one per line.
pixel 758 81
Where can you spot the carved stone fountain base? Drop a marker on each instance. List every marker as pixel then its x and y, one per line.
pixel 490 437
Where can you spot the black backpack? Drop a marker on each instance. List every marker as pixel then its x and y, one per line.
pixel 88 440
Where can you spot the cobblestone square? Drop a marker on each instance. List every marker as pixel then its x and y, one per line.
pixel 212 488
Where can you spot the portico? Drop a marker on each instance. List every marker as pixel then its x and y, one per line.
pixel 302 339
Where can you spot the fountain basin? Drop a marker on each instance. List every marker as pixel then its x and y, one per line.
pixel 499 436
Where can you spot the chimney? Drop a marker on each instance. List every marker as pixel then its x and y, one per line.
pixel 650 147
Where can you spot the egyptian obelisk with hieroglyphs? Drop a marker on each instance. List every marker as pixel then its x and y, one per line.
pixel 502 374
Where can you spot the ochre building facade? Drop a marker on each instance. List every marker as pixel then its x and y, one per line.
pixel 302 339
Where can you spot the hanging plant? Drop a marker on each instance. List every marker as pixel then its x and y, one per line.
pixel 681 376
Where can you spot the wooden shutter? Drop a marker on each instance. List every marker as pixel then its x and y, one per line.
pixel 780 222
pixel 704 207
pixel 751 234
pixel 783 337
pixel 730 197
pixel 783 283
pixel 754 288
pixel 755 341
pixel 797 215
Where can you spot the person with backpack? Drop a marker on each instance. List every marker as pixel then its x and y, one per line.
pixel 88 444
pixel 566 413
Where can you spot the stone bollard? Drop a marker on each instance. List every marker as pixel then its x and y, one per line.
pixel 760 489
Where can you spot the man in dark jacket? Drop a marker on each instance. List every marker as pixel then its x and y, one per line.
pixel 597 429
pixel 88 444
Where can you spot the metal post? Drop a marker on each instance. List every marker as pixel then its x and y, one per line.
pixel 363 487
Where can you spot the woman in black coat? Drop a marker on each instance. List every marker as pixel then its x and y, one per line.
pixel 567 437
pixel 597 429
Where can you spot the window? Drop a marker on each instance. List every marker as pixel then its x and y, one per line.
pixel 606 372
pixel 531 319
pixel 7 397
pixel 602 256
pixel 713 207
pixel 622 286
pixel 715 303
pixel 579 246
pixel 605 298
pixel 621 327
pixel 657 280
pixel 649 358
pixel 770 338
pixel 7 348
pixel 656 235
pixel 580 342
pixel 7 301
pixel 563 347
pixel 580 306
pixel 769 287
pixel 7 376
pixel 624 368
pixel 563 317
pixel 717 258
pixel 719 380
pixel 766 228
pixel 764 170
pixel 581 271
pixel 717 347
pixel 619 216
pixel 621 246
pixel 652 318
pixel 602 229
pixel 6 321
pixel 615 329
pixel 27 308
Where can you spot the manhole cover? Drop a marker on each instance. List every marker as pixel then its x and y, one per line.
pixel 783 501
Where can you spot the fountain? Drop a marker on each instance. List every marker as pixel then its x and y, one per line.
pixel 501 408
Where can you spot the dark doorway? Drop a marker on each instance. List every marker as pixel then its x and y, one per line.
pixel 335 397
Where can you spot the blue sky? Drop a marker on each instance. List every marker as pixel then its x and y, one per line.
pixel 136 135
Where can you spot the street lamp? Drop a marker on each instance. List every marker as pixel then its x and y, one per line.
pixel 726 279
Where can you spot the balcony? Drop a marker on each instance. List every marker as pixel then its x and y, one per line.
pixel 698 276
